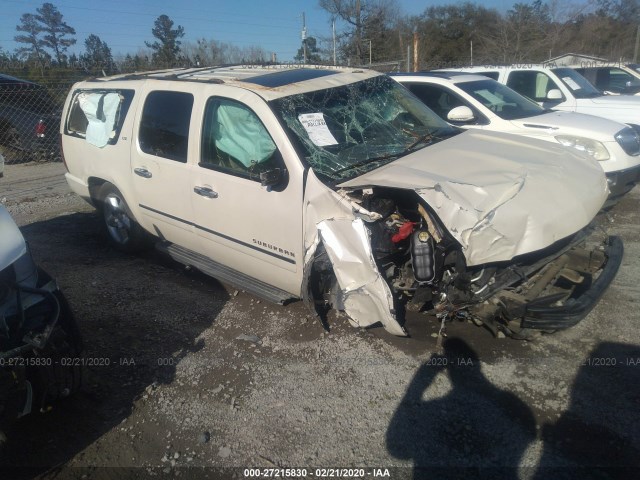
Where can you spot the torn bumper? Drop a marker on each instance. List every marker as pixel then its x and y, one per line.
pixel 366 297
pixel 545 317
pixel 621 182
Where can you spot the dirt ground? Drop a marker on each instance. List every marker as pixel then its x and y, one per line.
pixel 192 378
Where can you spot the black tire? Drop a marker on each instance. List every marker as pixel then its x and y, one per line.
pixel 65 375
pixel 122 229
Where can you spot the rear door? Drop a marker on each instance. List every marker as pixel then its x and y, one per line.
pixel 160 170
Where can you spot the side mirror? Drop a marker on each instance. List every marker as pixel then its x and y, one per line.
pixel 554 94
pixel 461 114
pixel 271 178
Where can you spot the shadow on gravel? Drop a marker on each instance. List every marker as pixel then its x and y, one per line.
pixel 139 316
pixel 473 429
pixel 588 440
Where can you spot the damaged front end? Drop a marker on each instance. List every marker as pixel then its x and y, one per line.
pixel 40 344
pixel 404 212
pixel 423 268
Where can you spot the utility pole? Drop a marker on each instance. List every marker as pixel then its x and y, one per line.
pixel 415 52
pixel 333 27
pixel 635 52
pixel 358 33
pixel 304 40
pixel 471 47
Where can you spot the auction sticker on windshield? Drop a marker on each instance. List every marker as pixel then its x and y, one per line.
pixel 317 129
pixel 571 83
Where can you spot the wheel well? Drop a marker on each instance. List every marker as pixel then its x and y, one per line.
pixel 95 184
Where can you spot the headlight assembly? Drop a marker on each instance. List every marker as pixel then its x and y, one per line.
pixel 629 140
pixel 594 148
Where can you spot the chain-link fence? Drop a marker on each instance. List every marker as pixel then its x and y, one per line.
pixel 30 112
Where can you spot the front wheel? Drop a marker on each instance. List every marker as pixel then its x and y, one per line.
pixel 123 231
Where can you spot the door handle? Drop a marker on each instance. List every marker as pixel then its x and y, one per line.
pixel 205 192
pixel 143 172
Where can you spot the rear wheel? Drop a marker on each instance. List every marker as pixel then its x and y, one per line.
pixel 123 231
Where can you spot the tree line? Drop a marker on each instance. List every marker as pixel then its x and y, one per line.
pixel 368 31
pixel 527 32
pixel 45 38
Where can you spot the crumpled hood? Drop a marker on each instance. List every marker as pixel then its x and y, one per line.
pixel 499 195
pixel 564 123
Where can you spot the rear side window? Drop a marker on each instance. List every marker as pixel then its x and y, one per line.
pixel 97 116
pixel 164 127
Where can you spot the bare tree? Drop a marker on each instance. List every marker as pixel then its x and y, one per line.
pixel 366 21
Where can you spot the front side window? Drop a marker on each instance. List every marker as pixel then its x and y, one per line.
pixel 349 130
pixel 501 100
pixel 439 99
pixel 621 81
pixel 532 84
pixel 235 141
pixel 164 127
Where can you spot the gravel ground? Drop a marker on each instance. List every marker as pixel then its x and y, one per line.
pixel 203 376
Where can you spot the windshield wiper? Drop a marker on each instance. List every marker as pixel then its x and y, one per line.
pixel 427 137
pixel 367 161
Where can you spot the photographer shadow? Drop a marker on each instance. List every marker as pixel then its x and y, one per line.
pixel 598 436
pixel 468 429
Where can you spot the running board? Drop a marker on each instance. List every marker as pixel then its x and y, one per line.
pixel 225 274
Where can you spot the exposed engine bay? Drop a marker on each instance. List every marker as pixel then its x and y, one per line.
pixel 426 271
pixel 40 343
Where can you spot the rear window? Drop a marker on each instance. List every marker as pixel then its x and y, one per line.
pixel 98 115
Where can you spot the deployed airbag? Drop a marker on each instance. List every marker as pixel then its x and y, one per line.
pixel 239 133
pixel 100 110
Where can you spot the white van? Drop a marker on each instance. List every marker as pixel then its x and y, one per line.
pixel 339 187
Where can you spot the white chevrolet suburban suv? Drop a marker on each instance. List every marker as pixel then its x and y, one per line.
pixel 339 187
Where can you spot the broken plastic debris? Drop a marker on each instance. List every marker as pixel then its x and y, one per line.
pixel 366 296
pixel 249 338
pixel 403 232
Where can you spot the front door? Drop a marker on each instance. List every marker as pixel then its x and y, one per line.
pixel 251 228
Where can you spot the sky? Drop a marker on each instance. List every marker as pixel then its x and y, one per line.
pixel 274 25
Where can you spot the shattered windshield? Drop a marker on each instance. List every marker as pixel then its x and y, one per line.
pixel 504 102
pixel 349 130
